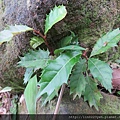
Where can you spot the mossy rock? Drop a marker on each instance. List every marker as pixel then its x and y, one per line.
pixel 108 105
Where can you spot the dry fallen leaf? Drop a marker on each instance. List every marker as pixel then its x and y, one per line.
pixel 116 79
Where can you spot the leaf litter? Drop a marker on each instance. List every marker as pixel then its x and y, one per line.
pixel 5 102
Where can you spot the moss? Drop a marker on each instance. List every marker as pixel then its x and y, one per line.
pixel 110 104
pixel 9 70
pixel 96 21
pixel 99 17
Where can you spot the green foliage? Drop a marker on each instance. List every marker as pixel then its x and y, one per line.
pixel 6 89
pixel 118 92
pixel 57 72
pixel 14 106
pixel 28 74
pixel 67 40
pixel 45 98
pixel 77 79
pixel 107 41
pixel 92 94
pixel 17 29
pixel 35 59
pixel 102 72
pixel 30 95
pixel 68 65
pixel 70 47
pixel 55 15
pixel 36 41
pixel 7 35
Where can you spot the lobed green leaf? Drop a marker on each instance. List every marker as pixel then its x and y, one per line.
pixel 107 41
pixel 45 98
pixel 92 94
pixel 28 74
pixel 57 72
pixel 77 79
pixel 35 59
pixel 70 47
pixel 102 72
pixel 55 15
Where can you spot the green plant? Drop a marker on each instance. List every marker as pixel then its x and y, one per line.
pixel 69 65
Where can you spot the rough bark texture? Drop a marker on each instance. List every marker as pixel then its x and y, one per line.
pixel 88 19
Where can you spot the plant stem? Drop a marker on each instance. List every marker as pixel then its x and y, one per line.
pixel 45 40
pixel 39 33
pixel 59 101
pixel 85 54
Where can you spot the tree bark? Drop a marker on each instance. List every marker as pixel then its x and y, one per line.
pixel 89 19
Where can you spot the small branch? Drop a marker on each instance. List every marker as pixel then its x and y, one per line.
pixel 59 101
pixel 45 40
pixel 39 33
pixel 85 54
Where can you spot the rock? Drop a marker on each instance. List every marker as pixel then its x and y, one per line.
pixel 109 105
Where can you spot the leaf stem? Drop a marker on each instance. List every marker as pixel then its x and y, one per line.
pixel 45 40
pixel 59 101
pixel 85 54
pixel 39 33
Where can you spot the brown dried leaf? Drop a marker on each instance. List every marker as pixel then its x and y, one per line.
pixel 116 79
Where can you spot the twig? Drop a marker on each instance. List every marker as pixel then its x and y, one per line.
pixel 39 33
pixel 59 101
pixel 45 40
pixel 85 54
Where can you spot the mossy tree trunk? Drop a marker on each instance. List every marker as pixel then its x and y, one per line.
pixel 90 19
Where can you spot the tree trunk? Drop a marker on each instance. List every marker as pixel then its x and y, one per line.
pixel 87 18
